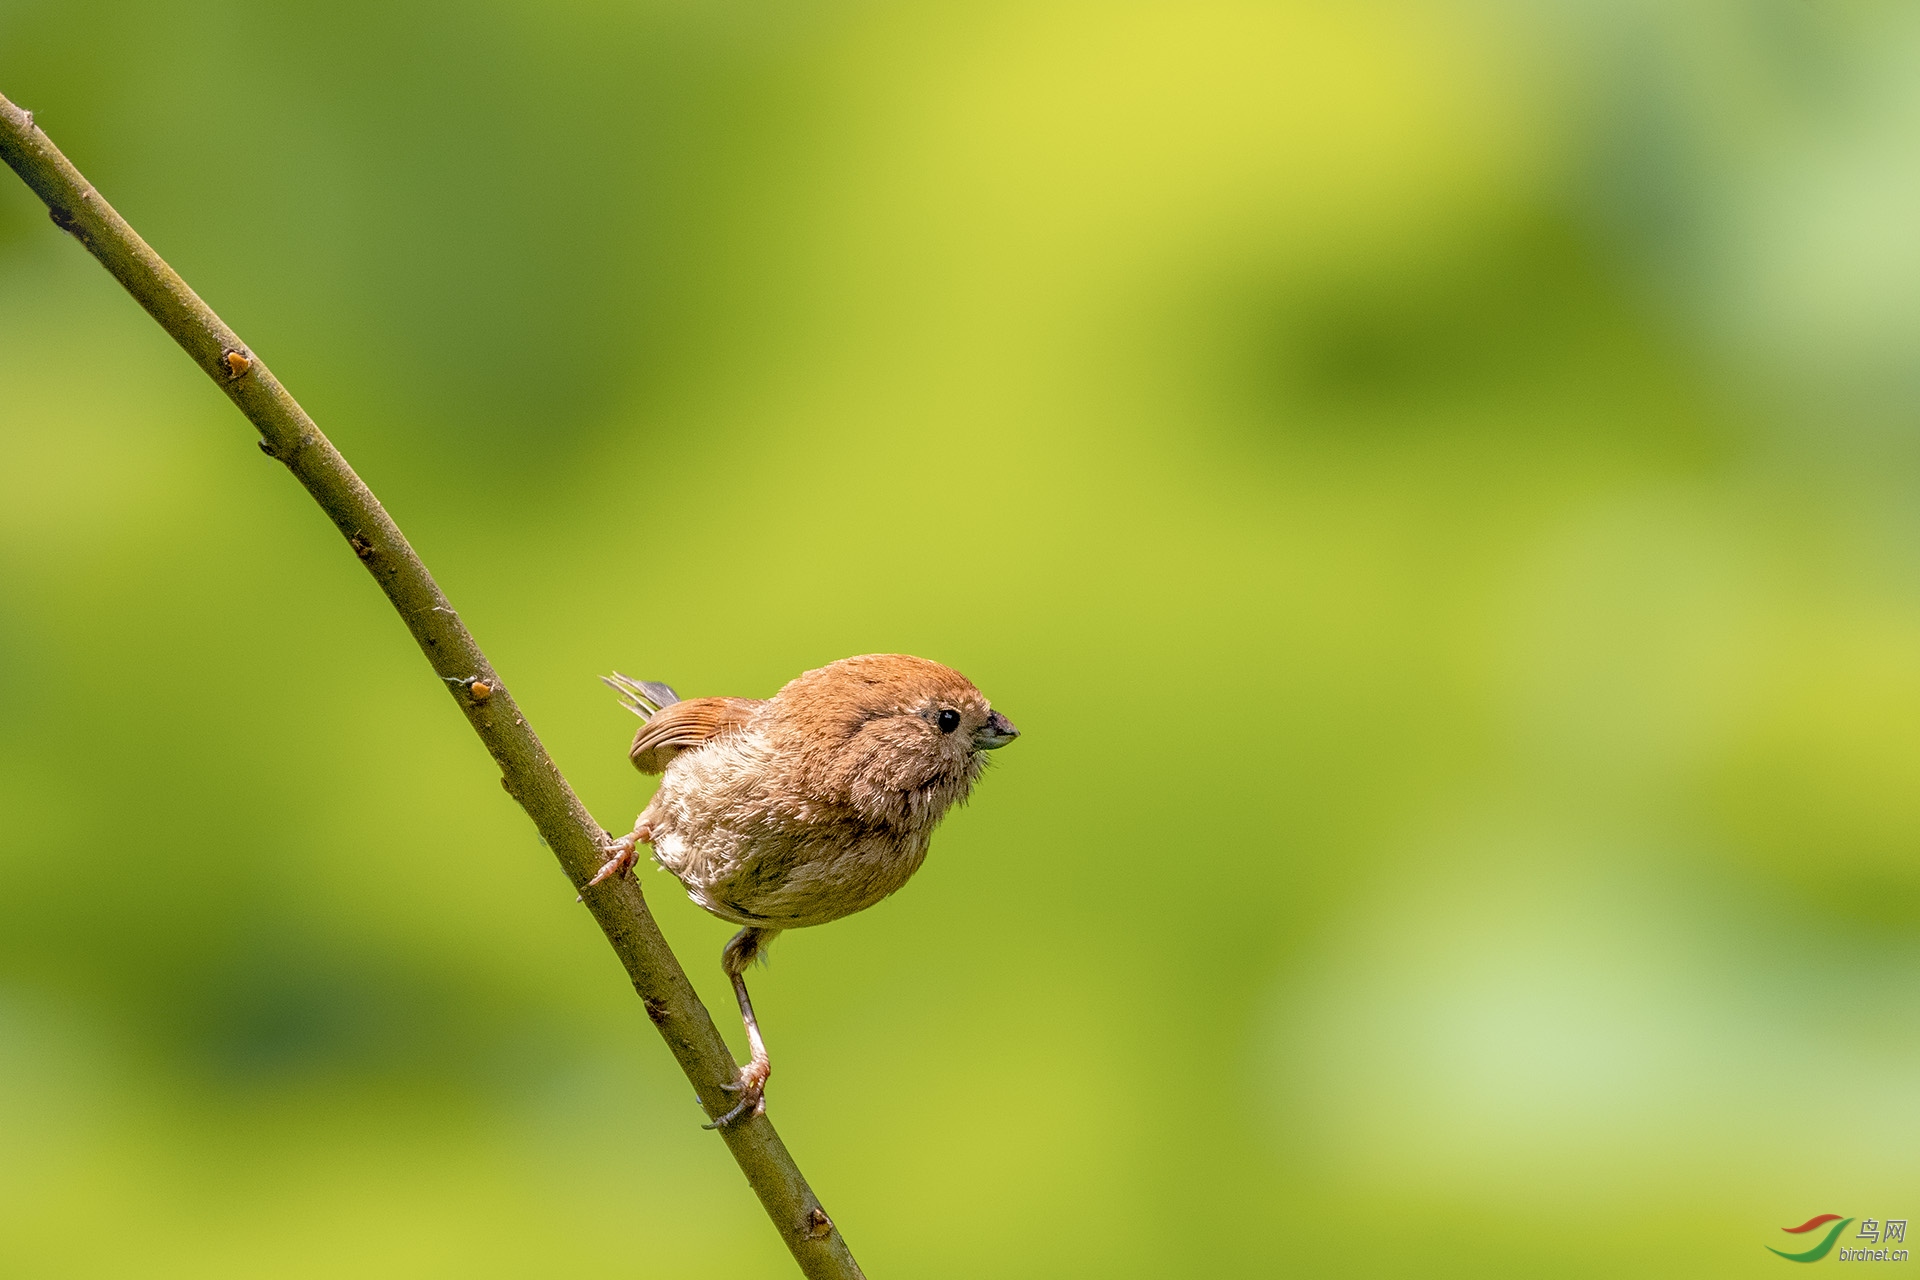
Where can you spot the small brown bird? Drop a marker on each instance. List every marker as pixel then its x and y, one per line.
pixel 804 807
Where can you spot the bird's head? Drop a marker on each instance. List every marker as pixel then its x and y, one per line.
pixel 895 737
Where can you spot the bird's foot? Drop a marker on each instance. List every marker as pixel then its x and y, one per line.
pixel 620 860
pixel 752 1088
pixel 621 857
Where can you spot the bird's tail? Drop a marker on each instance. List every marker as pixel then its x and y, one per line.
pixel 642 697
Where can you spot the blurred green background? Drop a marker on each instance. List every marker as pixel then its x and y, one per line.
pixel 1435 483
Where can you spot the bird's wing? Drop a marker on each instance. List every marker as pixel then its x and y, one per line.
pixel 673 729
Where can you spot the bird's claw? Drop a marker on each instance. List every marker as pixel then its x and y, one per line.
pixel 752 1088
pixel 620 860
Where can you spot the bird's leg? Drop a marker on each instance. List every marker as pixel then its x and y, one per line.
pixel 621 856
pixel 742 950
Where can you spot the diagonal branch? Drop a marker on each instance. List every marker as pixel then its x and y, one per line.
pixel 526 771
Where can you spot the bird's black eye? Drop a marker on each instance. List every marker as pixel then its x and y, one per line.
pixel 949 720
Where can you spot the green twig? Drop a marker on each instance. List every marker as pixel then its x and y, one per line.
pixel 526 771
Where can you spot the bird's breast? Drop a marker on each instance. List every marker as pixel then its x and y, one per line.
pixel 753 848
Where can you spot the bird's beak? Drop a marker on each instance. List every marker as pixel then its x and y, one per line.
pixel 997 732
